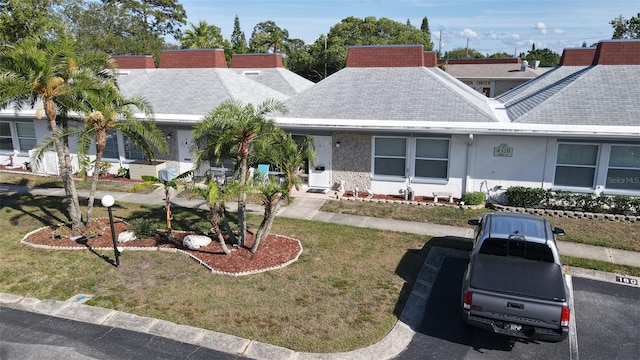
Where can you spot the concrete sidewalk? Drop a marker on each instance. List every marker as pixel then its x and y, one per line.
pixel 305 206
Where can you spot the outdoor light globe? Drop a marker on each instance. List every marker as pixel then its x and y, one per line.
pixel 108 201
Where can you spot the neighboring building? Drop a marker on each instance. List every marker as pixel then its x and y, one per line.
pixel 493 77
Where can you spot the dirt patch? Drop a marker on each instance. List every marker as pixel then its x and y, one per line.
pixel 274 252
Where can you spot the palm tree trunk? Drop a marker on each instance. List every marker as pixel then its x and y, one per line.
pixel 66 170
pixel 215 222
pixel 242 202
pixel 168 207
pixel 101 140
pixel 270 212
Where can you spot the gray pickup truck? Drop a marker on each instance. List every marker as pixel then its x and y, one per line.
pixel 514 284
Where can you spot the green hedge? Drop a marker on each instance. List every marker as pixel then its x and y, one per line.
pixel 473 198
pixel 521 196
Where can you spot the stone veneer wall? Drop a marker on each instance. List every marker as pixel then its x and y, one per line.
pixel 352 160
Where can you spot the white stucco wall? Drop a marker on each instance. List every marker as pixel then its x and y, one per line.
pixel 529 162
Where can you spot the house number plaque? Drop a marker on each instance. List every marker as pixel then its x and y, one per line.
pixel 503 151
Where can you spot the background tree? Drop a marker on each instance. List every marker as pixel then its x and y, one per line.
pixel 162 17
pixel 229 131
pixel 626 29
pixel 202 36
pixel 424 27
pixel 500 55
pixel 108 110
pixel 267 37
pixel 111 28
pixel 51 70
pixel 353 31
pixel 238 40
pixel 20 19
pixel 546 56
pixel 463 53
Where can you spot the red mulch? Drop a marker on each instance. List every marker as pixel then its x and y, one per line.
pixel 275 251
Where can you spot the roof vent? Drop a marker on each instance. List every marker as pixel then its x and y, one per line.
pixel 524 65
pixel 251 72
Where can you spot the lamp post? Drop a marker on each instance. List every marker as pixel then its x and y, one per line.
pixel 108 201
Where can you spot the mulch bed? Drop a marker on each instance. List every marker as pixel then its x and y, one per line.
pixel 274 252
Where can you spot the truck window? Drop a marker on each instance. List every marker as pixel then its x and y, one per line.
pixel 517 248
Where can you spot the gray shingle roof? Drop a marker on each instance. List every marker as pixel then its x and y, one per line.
pixel 282 80
pixel 493 71
pixel 403 93
pixel 194 91
pixel 604 95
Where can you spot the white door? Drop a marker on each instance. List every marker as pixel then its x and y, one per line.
pixel 320 174
pixel 185 150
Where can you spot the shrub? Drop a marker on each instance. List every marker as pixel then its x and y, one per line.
pixel 473 198
pixel 142 227
pixel 521 196
pixel 104 168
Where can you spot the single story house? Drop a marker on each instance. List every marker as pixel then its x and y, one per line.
pixel 493 77
pixel 391 121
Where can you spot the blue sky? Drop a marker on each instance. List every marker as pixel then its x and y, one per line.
pixel 489 26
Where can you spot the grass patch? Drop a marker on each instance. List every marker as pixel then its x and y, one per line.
pixel 617 235
pixel 345 292
pixel 600 266
pixel 31 180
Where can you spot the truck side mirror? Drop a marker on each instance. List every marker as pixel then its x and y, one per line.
pixel 558 231
pixel 474 222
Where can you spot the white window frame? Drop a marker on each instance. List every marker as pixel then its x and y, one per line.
pixel 406 158
pixel 415 158
pixel 633 168
pixel 21 138
pixel 581 166
pixel 10 136
pixel 126 141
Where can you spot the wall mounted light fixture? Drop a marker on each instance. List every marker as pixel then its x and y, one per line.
pixel 337 144
pixel 168 136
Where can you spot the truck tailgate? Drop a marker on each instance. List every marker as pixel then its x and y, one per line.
pixel 519 277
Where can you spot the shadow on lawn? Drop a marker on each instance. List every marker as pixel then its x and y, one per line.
pixel 413 261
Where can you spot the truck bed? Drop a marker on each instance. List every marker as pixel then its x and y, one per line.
pixel 516 276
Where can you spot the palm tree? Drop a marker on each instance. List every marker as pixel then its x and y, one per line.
pixel 228 131
pixel 289 157
pixel 202 36
pixel 215 196
pixel 108 110
pixel 51 70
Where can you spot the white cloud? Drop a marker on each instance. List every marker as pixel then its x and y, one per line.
pixel 558 31
pixel 542 28
pixel 468 33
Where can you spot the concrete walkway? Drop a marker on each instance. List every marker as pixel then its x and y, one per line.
pixel 304 206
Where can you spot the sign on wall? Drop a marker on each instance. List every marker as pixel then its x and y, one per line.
pixel 503 151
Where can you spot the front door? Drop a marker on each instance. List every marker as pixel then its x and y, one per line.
pixel 320 174
pixel 185 150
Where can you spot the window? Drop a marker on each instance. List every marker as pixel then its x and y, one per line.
pixel 390 156
pixel 5 136
pixel 624 168
pixel 111 148
pixel 432 158
pixel 26 136
pixel 576 165
pixel 131 151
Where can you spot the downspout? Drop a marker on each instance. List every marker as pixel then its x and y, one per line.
pixel 469 167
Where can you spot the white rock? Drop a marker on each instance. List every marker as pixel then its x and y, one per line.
pixel 196 241
pixel 126 236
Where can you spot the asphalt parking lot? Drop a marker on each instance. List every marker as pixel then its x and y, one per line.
pixel 605 325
